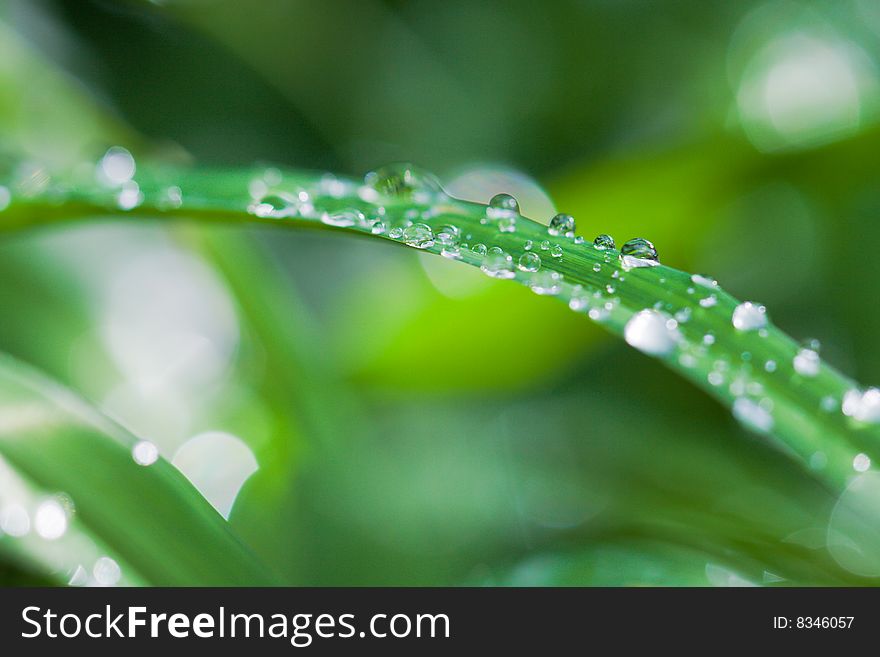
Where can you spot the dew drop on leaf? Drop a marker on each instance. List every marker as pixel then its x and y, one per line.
pixel 862 406
pixel 498 265
pixel 502 205
pixel 529 261
pixel 749 316
pixel 806 362
pixel 405 181
pixel 419 236
pixel 603 242
pixel 652 332
pixel 561 224
pixel 547 282
pixel 639 248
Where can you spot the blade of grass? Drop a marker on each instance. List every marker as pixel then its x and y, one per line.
pixel 750 371
pixel 149 519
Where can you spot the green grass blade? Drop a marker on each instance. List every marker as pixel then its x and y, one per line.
pixel 148 519
pixel 750 371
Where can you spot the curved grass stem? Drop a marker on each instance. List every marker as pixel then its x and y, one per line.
pixel 684 320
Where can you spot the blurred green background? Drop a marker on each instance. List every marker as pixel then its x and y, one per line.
pixel 393 418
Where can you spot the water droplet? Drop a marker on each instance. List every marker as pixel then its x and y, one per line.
pixel 861 463
pixel 603 242
pixel 498 265
pixel 378 227
pixel 639 248
pixel 597 267
pixel 144 452
pixel 344 218
pixel 709 301
pixel 709 339
pixel 651 332
pixel 502 206
pixel 806 362
pixel 496 250
pixel 405 181
pixel 749 316
pixel 561 224
pixel 507 224
pixel 556 251
pixel 579 302
pixel 547 282
pixel 752 415
pixel 106 572
pixel 545 245
pixel 172 198
pixel 129 196
pixel 419 235
pixel 117 166
pixel 683 315
pixel 50 520
pixel 395 233
pixel 480 249
pixel 862 406
pixel 770 366
pixel 14 520
pixel 579 240
pixel 528 245
pixel 705 281
pixel 273 205
pixel 448 235
pixel 529 261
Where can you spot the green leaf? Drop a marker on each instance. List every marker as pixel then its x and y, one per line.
pixel 750 371
pixel 73 495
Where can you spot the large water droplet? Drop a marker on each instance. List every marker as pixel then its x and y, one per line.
pixel 862 406
pixel 145 452
pixel 129 196
pixel 403 180
pixel 419 235
pixel 639 248
pixel 117 166
pixel 546 282
pixel 806 362
pixel 502 206
pixel 273 205
pixel 561 224
pixel 344 218
pixel 603 242
pixel 50 520
pixel 652 332
pixel 749 316
pixel 529 261
pixel 498 265
pixel 752 415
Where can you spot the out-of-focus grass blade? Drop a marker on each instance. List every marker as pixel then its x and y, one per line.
pixel 73 498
